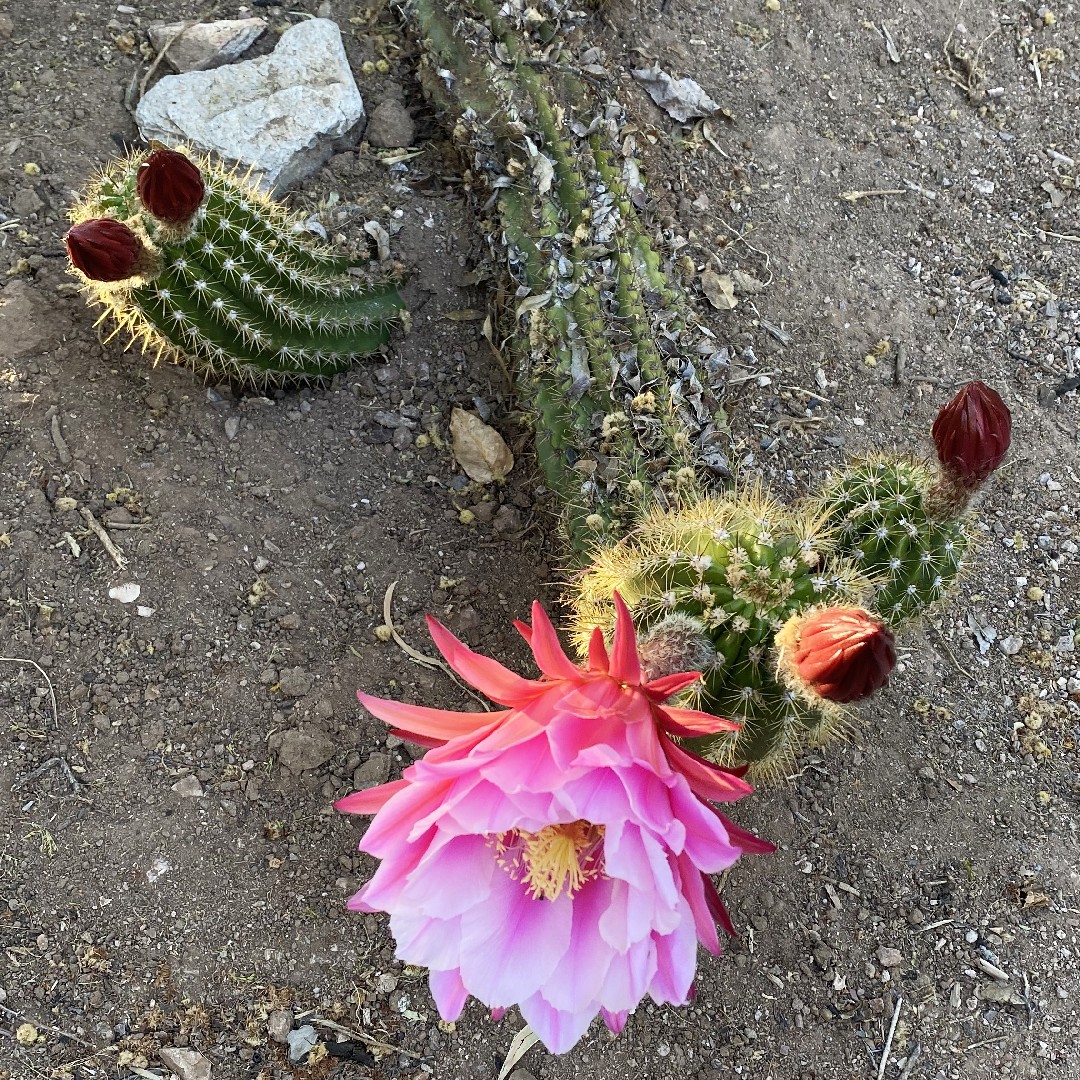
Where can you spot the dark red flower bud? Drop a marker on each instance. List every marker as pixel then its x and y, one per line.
pixel 972 434
pixel 841 654
pixel 104 249
pixel 170 186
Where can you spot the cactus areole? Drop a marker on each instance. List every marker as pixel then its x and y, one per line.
pixel 201 268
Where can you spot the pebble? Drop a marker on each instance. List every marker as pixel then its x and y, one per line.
pixel 279 1023
pixel 390 126
pixel 185 1064
pixel 372 772
pixel 300 1042
pixel 294 682
pixel 303 749
pixel 889 958
pixel 188 787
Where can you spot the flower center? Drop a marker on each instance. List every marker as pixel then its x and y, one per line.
pixel 558 858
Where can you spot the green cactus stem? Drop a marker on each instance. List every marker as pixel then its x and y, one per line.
pixel 887 522
pixel 709 587
pixel 235 292
pixel 609 358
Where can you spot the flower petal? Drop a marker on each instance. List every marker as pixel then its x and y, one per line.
pixel 625 663
pixel 372 800
pixel 550 657
pixel 598 655
pixel 441 724
pixel 488 676
pixel 449 993
pixel 687 723
pixel 705 779
pixel 557 1030
pixel 668 686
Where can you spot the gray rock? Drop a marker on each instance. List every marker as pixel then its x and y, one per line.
pixel 188 787
pixel 185 1064
pixel 294 682
pixel 303 749
pixel 25 327
pixel 279 1023
pixel 26 202
pixel 889 958
pixel 373 772
pixel 390 126
pixel 300 1042
pixel 201 46
pixel 285 113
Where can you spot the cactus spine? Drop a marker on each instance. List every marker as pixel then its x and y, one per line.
pixel 234 291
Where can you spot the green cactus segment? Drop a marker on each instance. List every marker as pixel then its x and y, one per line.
pixel 608 356
pixel 878 509
pixel 729 573
pixel 239 293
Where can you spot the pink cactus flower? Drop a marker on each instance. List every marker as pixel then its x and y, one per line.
pixel 554 855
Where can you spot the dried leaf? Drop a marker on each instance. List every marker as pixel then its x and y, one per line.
pixel 681 99
pixel 479 449
pixel 719 289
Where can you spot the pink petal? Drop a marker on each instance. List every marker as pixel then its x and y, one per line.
pixel 418 740
pixel 434 723
pixel 598 657
pixel 576 982
pixel 692 885
pixel 511 944
pixel 625 664
pixel 615 1021
pixel 676 959
pixel 371 800
pixel 705 779
pixel 497 1015
pixel 716 906
pixel 487 675
pixel 747 841
pixel 667 686
pixel 558 1030
pixel 687 723
pixel 549 654
pixel 449 993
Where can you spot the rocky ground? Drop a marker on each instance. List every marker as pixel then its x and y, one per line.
pixel 892 191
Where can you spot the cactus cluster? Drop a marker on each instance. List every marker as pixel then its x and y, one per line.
pixel 200 267
pixel 787 612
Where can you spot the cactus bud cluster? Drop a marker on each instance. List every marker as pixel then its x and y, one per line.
pixel 201 268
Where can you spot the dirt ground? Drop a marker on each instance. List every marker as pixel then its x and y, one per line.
pixel 171 871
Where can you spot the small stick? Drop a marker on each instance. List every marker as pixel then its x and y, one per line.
pixel 901 363
pixel 1027 1001
pixel 125 526
pixel 106 541
pixel 73 544
pixel 888 1042
pixel 991 969
pixel 389 1047
pixel 45 676
pixel 905 1072
pixel 62 450
pixel 855 196
pixel 44 767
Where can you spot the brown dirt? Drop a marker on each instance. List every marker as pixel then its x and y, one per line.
pixel 136 915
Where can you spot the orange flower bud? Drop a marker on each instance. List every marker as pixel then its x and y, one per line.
pixel 840 654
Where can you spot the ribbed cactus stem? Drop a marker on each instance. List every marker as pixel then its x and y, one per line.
pixel 619 422
pixel 235 291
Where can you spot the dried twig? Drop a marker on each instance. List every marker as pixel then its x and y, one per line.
pixel 44 675
pixel 44 767
pixel 888 1042
pixel 95 527
pixel 364 1038
pixel 62 451
pixel 855 196
pixel 905 1072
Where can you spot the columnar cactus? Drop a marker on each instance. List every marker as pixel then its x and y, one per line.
pixel 201 268
pixel 770 604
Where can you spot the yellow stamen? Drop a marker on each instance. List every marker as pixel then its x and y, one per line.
pixel 558 858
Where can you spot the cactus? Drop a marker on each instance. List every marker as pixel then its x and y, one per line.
pixel 607 351
pixel 619 378
pixel 201 268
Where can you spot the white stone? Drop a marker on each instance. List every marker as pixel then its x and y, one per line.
pixel 185 1064
pixel 201 46
pixel 284 113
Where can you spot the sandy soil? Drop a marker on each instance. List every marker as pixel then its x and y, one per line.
pixel 171 872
